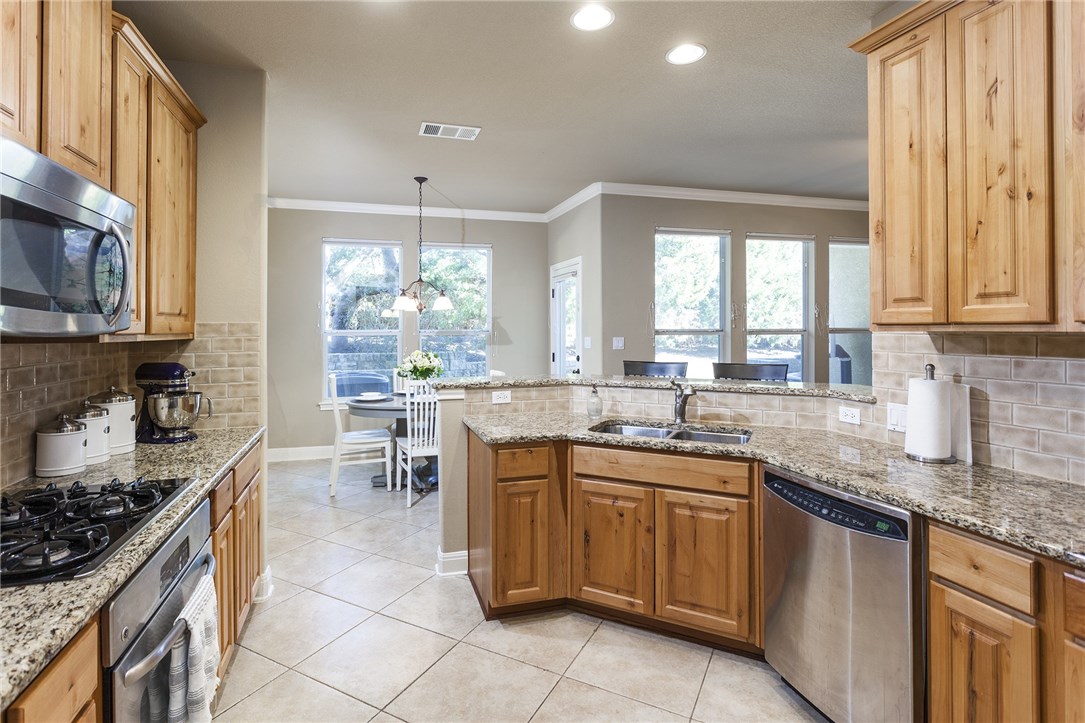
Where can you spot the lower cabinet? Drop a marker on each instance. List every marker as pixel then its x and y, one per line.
pixel 222 545
pixel 1072 680
pixel 69 689
pixel 521 524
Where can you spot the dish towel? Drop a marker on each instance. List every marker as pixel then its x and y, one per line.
pixel 193 681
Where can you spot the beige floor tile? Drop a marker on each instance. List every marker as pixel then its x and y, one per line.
pixel 281 506
pixel 322 494
pixel 549 640
pixel 315 561
pixel 305 467
pixel 370 502
pixel 281 591
pixel 280 540
pixel 375 582
pixel 280 480
pixel 383 717
pixel 292 631
pixel 620 659
pixel 469 684
pixel 376 660
pixel 445 605
pixel 418 549
pixel 372 533
pixel 738 688
pixel 320 521
pixel 247 673
pixel 575 702
pixel 423 513
pixel 293 697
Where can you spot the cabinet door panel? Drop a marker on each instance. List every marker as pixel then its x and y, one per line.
pixel 242 574
pixel 702 561
pixel 1074 681
pixel 612 544
pixel 222 545
pixel 171 217
pixel 998 138
pixel 255 534
pixel 20 64
pixel 521 532
pixel 983 662
pixel 906 87
pixel 76 83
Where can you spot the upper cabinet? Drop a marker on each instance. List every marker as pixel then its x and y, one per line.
pixel 20 70
pixel 75 86
pixel 971 103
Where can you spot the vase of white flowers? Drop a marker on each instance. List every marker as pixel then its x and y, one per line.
pixel 420 365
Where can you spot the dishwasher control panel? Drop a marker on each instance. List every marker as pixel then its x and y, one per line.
pixel 837 511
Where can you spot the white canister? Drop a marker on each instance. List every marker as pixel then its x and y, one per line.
pixel 122 418
pixel 62 448
pixel 97 421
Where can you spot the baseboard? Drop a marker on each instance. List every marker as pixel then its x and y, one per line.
pixel 451 563
pixel 265 586
pixel 295 454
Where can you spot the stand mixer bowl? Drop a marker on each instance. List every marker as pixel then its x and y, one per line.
pixel 175 413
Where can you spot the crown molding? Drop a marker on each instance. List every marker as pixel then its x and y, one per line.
pixel 306 204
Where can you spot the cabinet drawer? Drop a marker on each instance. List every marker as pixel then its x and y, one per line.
pixel 1001 575
pixel 523 462
pixel 1073 587
pixel 222 499
pixel 63 689
pixel 701 473
pixel 245 470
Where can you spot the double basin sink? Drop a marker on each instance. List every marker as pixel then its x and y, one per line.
pixel 672 433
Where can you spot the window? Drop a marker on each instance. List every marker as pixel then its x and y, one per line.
pixel 361 344
pixel 461 337
pixel 776 301
pixel 849 311
pixel 689 296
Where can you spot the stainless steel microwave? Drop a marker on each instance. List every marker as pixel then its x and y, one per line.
pixel 65 262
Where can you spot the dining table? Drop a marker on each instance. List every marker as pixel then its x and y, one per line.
pixel 388 406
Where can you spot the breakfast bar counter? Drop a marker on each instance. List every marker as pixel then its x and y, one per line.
pixel 40 619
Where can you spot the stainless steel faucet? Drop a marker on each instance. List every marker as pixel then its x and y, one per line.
pixel 681 399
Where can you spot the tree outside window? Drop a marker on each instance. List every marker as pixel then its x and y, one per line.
pixel 460 336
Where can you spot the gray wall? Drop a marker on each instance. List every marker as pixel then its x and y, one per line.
pixel 520 305
pixel 579 233
pixel 627 278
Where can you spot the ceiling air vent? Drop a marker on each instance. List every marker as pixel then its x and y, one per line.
pixel 447 130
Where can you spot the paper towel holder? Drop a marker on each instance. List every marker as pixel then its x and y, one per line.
pixel 961 433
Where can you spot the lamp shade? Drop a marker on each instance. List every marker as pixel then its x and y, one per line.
pixel 403 303
pixel 442 302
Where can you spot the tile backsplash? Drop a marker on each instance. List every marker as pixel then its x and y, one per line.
pixel 41 380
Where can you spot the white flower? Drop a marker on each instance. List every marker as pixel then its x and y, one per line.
pixel 420 365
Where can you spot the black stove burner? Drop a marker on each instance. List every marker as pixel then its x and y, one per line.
pixel 52 534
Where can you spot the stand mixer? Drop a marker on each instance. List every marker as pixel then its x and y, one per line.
pixel 169 408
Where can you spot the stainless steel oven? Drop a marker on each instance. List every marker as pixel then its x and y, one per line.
pixel 139 622
pixel 65 262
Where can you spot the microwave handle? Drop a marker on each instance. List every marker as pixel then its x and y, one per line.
pixel 149 663
pixel 126 269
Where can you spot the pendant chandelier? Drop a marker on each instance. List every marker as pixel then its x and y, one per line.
pixel 410 298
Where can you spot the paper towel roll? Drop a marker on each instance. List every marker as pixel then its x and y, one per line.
pixel 930 414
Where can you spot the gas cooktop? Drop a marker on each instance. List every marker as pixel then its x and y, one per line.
pixel 50 534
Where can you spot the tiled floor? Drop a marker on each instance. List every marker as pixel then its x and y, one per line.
pixel 359 628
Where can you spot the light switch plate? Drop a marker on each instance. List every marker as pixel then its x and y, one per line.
pixel 896 417
pixel 850 415
pixel 502 397
pixel 618 342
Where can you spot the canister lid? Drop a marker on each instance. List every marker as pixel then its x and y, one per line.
pixel 89 411
pixel 63 424
pixel 113 396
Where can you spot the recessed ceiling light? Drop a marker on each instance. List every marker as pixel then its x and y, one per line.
pixel 686 53
pixel 592 17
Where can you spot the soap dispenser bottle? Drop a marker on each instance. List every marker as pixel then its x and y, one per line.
pixel 595 404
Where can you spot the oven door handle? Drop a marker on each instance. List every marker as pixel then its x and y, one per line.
pixel 149 663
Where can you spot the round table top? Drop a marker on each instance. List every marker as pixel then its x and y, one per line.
pixel 394 407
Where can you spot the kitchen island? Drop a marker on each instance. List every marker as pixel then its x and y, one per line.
pixel 40 619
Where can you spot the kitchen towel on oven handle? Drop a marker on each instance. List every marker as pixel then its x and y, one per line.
pixel 192 677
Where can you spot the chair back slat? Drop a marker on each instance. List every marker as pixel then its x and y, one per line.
pixel 337 405
pixel 422 432
pixel 753 372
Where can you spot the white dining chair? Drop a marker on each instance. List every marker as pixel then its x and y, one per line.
pixel 356 447
pixel 422 431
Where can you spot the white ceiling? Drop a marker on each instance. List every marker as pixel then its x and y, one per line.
pixel 777 106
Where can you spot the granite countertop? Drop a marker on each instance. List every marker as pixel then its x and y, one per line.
pixel 1035 513
pixel 39 620
pixel 850 392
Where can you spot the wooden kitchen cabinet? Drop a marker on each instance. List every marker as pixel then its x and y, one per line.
pixel 976 167
pixel 69 689
pixel 222 546
pixel 242 557
pixel 76 86
pixel 612 545
pixel 521 525
pixel 1070 685
pixel 702 560
pixel 20 71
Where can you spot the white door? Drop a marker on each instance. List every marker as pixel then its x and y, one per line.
pixel 565 318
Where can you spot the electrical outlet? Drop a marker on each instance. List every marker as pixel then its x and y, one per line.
pixel 850 415
pixel 618 342
pixel 896 417
pixel 502 397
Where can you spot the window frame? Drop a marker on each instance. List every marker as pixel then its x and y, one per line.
pixel 325 334
pixel 830 329
pixel 806 333
pixel 488 331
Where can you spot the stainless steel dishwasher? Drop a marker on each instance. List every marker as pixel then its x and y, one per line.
pixel 843 599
